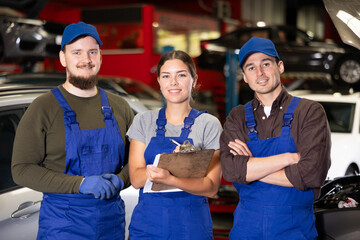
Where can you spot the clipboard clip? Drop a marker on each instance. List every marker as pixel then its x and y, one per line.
pixel 187 147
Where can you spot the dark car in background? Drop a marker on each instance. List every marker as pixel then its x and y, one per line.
pixel 301 53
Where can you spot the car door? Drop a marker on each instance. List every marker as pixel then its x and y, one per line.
pixel 19 206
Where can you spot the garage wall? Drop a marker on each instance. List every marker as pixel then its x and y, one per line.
pixel 269 11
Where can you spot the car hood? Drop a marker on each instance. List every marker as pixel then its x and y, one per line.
pixel 345 16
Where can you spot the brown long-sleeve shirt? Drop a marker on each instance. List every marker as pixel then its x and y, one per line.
pixel 310 131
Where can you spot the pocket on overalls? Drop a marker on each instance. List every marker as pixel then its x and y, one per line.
pixel 247 223
pixel 199 221
pixel 147 222
pixel 97 160
pixel 286 222
pixel 111 223
pixel 304 220
pixel 278 226
pixel 83 217
pixel 121 213
pixel 53 220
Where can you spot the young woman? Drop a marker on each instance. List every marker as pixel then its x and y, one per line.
pixel 180 214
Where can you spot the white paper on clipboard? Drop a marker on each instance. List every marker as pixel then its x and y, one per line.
pixel 148 184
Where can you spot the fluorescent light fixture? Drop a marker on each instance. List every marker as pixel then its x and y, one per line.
pixel 261 24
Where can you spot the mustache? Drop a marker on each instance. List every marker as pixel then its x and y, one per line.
pixel 89 65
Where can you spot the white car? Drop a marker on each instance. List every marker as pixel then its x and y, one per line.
pixel 19 206
pixel 343 113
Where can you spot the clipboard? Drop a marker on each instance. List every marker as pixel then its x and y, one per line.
pixel 184 164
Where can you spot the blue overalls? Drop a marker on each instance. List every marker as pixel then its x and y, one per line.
pixel 267 211
pixel 88 152
pixel 173 215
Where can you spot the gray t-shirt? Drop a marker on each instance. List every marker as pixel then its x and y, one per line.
pixel 205 132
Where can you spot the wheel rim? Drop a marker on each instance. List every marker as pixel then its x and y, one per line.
pixel 350 71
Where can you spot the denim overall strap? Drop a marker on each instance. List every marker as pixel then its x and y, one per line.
pixel 105 108
pixel 109 118
pixel 250 122
pixel 69 115
pixel 289 116
pixel 189 121
pixel 160 123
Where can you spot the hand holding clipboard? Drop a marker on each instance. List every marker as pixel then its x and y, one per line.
pixel 187 164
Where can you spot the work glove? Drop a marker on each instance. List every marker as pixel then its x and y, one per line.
pixel 98 186
pixel 115 180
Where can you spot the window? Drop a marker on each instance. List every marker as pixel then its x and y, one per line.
pixel 340 116
pixel 292 35
pixel 182 31
pixel 120 36
pixel 120 28
pixel 9 120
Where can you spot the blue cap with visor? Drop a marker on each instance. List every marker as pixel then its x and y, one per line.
pixel 75 30
pixel 256 44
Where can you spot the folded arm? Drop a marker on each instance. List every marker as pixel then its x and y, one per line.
pixel 314 143
pixel 266 169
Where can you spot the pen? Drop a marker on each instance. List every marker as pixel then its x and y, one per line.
pixel 174 142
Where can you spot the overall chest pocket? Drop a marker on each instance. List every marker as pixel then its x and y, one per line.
pixel 96 160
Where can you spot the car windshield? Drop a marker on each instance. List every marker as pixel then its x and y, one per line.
pixel 340 116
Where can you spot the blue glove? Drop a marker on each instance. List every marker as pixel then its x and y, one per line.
pixel 115 180
pixel 98 186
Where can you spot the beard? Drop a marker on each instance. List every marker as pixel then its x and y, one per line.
pixel 82 82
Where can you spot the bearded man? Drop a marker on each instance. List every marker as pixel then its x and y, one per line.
pixel 71 145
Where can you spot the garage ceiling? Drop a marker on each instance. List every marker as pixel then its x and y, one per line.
pixel 32 8
pixel 91 3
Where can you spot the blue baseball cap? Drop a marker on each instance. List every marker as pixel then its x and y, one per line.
pixel 256 44
pixel 75 30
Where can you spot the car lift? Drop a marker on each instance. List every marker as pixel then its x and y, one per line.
pixel 232 89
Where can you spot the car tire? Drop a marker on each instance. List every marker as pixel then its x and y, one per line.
pixel 352 170
pixel 347 71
